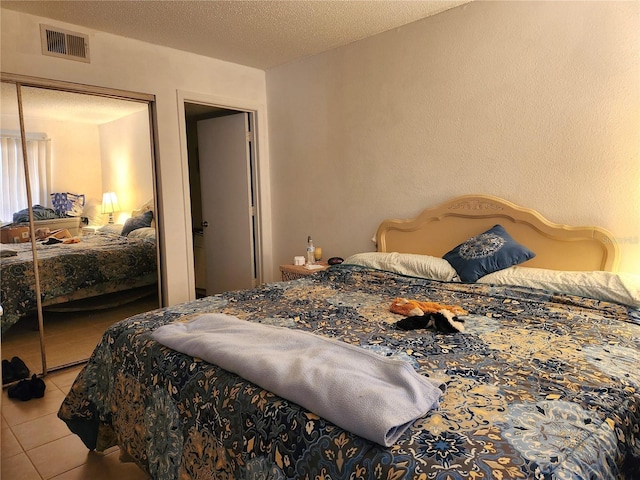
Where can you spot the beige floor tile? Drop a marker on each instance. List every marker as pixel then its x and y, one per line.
pixel 59 456
pixel 10 444
pixel 104 467
pixel 63 379
pixel 16 411
pixel 42 430
pixel 33 426
pixel 23 333
pixel 64 354
pixel 18 467
pixel 69 336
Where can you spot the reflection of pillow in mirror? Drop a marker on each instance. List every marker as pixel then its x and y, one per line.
pixel 111 228
pixel 134 223
pixel 487 252
pixel 146 233
pixel 68 204
pixel 146 207
pixel 621 288
pixel 75 204
pixel 410 264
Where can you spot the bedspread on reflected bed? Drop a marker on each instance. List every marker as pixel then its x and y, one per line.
pixel 538 386
pixel 96 265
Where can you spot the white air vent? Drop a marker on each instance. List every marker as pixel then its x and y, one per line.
pixel 64 44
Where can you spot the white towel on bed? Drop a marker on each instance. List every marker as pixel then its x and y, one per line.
pixel 372 396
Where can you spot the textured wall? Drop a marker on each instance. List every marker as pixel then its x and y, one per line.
pixel 536 102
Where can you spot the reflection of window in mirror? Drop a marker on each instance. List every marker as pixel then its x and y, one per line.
pixel 94 145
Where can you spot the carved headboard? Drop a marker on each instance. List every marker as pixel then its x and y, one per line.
pixel 437 230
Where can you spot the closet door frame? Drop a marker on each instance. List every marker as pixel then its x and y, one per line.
pixel 27 81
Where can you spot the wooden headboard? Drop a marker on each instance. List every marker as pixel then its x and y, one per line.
pixel 437 230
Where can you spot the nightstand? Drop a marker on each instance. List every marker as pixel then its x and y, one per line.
pixel 89 230
pixel 291 272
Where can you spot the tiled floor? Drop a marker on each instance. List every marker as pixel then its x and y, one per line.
pixel 69 336
pixel 36 445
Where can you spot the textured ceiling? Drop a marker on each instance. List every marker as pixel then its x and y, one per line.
pixel 260 34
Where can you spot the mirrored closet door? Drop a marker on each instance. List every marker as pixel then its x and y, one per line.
pixel 19 300
pixel 94 218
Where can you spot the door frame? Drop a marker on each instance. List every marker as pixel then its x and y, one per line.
pixel 262 183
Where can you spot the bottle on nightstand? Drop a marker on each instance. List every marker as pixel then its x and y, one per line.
pixel 310 251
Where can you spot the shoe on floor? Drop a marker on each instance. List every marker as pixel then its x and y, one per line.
pixel 37 387
pixel 21 391
pixel 8 375
pixel 27 389
pixel 20 369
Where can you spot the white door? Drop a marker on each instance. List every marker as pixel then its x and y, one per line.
pixel 224 152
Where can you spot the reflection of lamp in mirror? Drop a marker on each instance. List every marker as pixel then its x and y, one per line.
pixel 110 204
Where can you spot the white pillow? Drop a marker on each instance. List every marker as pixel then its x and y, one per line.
pixel 146 233
pixel 621 288
pixel 410 264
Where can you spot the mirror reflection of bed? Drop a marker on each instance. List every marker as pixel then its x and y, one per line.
pixel 93 273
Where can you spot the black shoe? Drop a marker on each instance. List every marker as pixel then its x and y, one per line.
pixel 27 389
pixel 37 387
pixel 8 375
pixel 20 370
pixel 21 391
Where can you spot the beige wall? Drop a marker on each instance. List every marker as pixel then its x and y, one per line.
pixel 536 102
pixel 125 148
pixel 170 75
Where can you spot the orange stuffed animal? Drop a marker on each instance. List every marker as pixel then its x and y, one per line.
pixel 414 308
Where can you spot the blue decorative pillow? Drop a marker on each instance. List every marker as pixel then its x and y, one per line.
pixel 134 223
pixel 488 252
pixel 68 204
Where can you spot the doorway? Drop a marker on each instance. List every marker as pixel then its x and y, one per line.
pixel 222 180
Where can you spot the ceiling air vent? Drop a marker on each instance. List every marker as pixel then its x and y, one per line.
pixel 64 44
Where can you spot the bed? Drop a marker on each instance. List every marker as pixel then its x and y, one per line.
pixel 95 265
pixel 72 224
pixel 538 384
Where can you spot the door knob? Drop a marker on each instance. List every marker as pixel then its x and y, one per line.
pixel 205 224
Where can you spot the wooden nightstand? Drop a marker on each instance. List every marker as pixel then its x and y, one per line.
pixel 291 272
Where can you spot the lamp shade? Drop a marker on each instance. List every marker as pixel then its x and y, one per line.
pixel 110 202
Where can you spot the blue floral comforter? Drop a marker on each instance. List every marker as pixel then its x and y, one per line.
pixel 98 264
pixel 539 386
